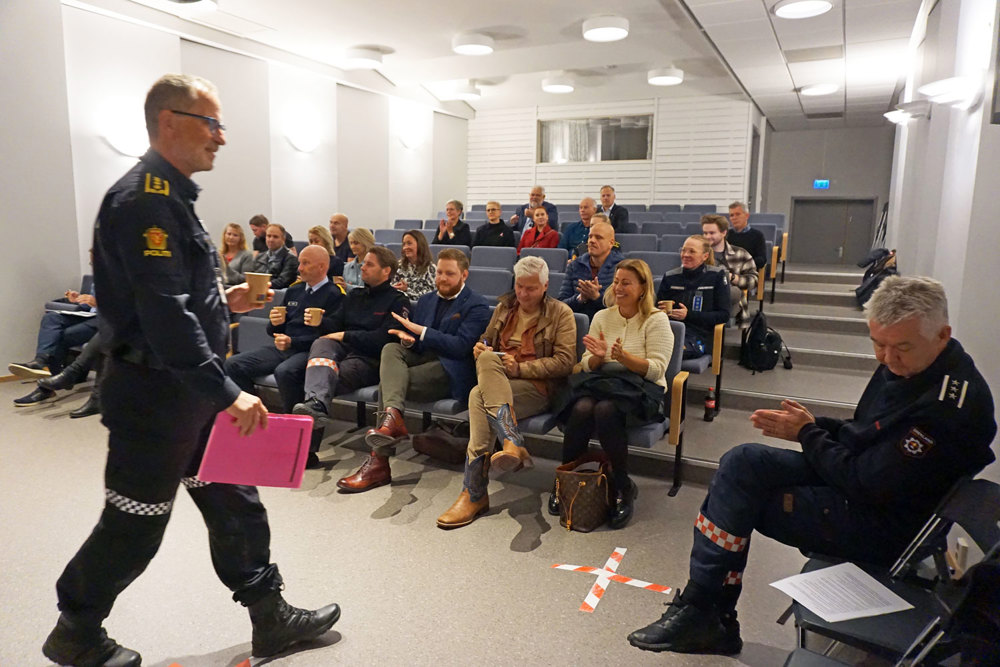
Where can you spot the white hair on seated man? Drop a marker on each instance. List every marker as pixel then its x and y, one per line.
pixel 532 266
pixel 900 298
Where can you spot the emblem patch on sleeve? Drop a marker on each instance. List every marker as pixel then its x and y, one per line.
pixel 157 185
pixel 916 443
pixel 156 243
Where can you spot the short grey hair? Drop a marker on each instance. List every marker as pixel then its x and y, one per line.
pixel 173 91
pixel 739 204
pixel 899 298
pixel 532 266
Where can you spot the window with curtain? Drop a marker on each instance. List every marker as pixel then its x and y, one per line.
pixel 595 139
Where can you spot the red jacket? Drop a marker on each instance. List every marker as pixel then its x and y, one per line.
pixel 532 239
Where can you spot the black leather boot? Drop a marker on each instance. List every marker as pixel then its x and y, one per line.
pixel 277 625
pixel 73 374
pixel 554 501
pixel 69 644
pixel 91 407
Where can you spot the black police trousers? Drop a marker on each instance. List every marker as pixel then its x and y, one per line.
pixel 777 493
pixel 158 430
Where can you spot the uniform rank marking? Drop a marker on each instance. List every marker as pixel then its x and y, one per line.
pixel 157 185
pixel 156 243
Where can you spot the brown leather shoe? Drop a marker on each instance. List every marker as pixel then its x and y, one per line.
pixel 510 459
pixel 373 472
pixel 464 511
pixel 391 430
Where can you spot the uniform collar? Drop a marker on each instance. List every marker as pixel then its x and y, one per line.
pixel 183 185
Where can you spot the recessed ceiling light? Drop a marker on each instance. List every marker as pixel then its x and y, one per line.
pixel 468 92
pixel 559 84
pixel 665 76
pixel 605 29
pixel 362 58
pixel 801 9
pixel 819 89
pixel 194 6
pixel 472 44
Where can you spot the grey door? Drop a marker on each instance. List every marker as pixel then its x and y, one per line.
pixel 830 231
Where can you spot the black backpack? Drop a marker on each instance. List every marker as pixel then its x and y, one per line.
pixel 762 345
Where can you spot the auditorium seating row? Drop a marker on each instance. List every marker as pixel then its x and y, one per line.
pixel 572 208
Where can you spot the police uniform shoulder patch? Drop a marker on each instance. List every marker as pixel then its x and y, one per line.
pixel 156 243
pixel 157 185
pixel 916 444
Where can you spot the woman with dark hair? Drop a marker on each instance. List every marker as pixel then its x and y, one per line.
pixel 320 235
pixel 699 291
pixel 236 259
pixel 452 230
pixel 623 379
pixel 415 276
pixel 540 234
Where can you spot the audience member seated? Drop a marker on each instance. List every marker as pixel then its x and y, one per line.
pixel 736 261
pixel 258 225
pixel 860 488
pixel 90 357
pixel 346 355
pixel 588 276
pixel 339 232
pixel 361 241
pixel 58 332
pixel 617 213
pixel 277 260
pixel 527 351
pixel 415 276
pixel 526 214
pixel 575 233
pixel 236 259
pixel 700 294
pixel 452 230
pixel 742 236
pixel 320 235
pixel 540 234
pixel 294 326
pixel 494 232
pixel 432 360
pixel 622 380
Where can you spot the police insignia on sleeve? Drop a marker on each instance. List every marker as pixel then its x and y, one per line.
pixel 157 185
pixel 916 443
pixel 156 243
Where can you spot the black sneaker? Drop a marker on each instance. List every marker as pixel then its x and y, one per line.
pixel 313 407
pixel 31 370
pixel 685 628
pixel 35 397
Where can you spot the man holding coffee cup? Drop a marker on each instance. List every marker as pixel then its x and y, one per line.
pixel 294 325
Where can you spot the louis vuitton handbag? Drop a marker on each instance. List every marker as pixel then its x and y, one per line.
pixel 583 492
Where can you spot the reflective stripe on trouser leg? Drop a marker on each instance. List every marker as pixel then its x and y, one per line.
pixel 321 378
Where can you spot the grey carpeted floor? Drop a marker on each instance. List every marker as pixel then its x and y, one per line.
pixel 411 594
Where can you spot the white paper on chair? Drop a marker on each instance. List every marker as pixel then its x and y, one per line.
pixel 841 592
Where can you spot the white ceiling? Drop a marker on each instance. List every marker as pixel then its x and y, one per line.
pixel 861 45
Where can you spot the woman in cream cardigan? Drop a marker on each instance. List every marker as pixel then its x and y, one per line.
pixel 627 352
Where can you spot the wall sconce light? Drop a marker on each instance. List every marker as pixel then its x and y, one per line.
pixel 126 133
pixel 907 111
pixel 303 127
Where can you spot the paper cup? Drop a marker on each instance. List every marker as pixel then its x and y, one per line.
pixel 666 305
pixel 281 310
pixel 314 316
pixel 258 287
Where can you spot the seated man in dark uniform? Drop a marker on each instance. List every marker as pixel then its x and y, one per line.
pixel 861 488
pixel 293 331
pixel 278 260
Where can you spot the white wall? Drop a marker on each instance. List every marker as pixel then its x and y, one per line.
pixel 37 201
pixel 363 157
pixel 451 148
pixel 412 146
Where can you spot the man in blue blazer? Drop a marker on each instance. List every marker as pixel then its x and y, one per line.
pixel 432 360
pixel 293 332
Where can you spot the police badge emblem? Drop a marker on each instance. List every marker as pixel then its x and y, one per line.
pixel 916 443
pixel 156 243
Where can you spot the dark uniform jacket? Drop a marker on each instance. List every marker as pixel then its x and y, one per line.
pixel 328 297
pixel 579 269
pixel 703 291
pixel 462 323
pixel 365 317
pixel 283 269
pixel 159 277
pixel 910 439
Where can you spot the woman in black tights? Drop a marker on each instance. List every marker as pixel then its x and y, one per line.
pixel 627 352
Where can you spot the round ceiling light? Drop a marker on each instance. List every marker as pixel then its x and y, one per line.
pixel 819 89
pixel 665 76
pixel 467 92
pixel 362 58
pixel 559 84
pixel 801 9
pixel 472 44
pixel 605 29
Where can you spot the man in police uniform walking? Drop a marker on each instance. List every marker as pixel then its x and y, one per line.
pixel 165 327
pixel 860 489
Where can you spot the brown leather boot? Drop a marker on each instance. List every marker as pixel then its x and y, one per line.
pixel 390 431
pixel 474 499
pixel 373 472
pixel 513 456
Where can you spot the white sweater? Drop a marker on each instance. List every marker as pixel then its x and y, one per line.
pixel 652 340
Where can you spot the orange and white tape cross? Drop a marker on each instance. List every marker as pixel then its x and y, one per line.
pixel 605 576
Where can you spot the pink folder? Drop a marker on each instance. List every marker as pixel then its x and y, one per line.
pixel 275 456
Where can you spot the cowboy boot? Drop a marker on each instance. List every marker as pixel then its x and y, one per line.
pixel 474 499
pixel 513 456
